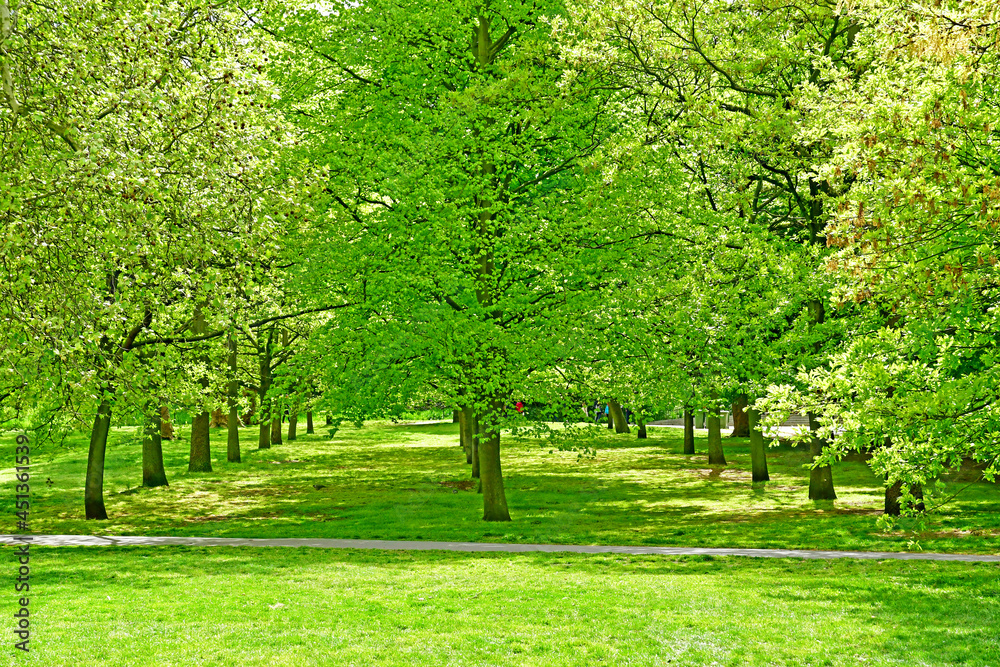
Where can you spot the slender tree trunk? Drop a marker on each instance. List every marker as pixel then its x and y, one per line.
pixel 893 494
pixel 821 478
pixel 465 431
pixel 701 420
pixel 309 422
pixel 293 422
pixel 610 417
pixel 642 429
pixel 153 473
pixel 688 431
pixel 491 477
pixel 456 416
pixel 329 420
pixel 715 454
pixel 264 354
pixel 201 455
pixel 741 422
pixel 758 452
pixel 475 445
pixel 617 416
pixel 93 494
pixel 275 431
pixel 232 396
pixel 264 434
pixel 166 427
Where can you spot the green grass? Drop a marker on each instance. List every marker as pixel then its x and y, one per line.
pixel 409 482
pixel 279 606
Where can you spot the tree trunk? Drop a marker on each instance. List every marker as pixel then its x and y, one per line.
pixel 821 478
pixel 642 429
pixel 491 477
pixel 715 454
pixel 688 431
pixel 166 427
pixel 758 452
pixel 329 420
pixel 741 422
pixel 218 419
pixel 293 422
pixel 153 473
pixel 475 446
pixel 895 491
pixel 309 422
pixel 93 494
pixel 701 420
pixel 232 394
pixel 617 416
pixel 465 431
pixel 456 416
pixel 275 431
pixel 610 418
pixel 264 435
pixel 264 354
pixel 201 455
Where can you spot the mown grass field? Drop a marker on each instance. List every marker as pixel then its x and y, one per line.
pixel 281 606
pixel 411 482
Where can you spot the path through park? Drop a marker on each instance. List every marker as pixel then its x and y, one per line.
pixel 396 545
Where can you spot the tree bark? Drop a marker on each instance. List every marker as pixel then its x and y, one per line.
pixel 821 478
pixel 758 452
pixel 264 353
pixel 465 431
pixel 166 427
pixel 475 445
pixel 275 431
pixel 688 431
pixel 701 420
pixel 309 422
pixel 293 423
pixel 153 473
pixel 201 455
pixel 895 491
pixel 93 494
pixel 264 435
pixel 715 454
pixel 232 396
pixel 617 417
pixel 491 477
pixel 642 429
pixel 456 416
pixel 741 422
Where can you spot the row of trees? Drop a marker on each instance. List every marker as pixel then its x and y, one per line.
pixel 790 207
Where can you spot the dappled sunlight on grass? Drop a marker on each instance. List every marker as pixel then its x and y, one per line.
pixel 393 481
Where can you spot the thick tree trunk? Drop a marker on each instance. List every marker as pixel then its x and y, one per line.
pixel 821 478
pixel 715 454
pixel 758 452
pixel 893 494
pixel 465 431
pixel 275 431
pixel 264 435
pixel 293 423
pixel 617 416
pixel 166 427
pixel 93 494
pixel 475 445
pixel 232 396
pixel 741 422
pixel 642 429
pixel 309 422
pixel 153 473
pixel 201 455
pixel 688 431
pixel 491 477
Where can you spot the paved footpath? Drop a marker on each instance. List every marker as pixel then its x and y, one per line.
pixel 111 541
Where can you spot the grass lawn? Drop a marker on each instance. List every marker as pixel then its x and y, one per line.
pixel 411 482
pixel 280 606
